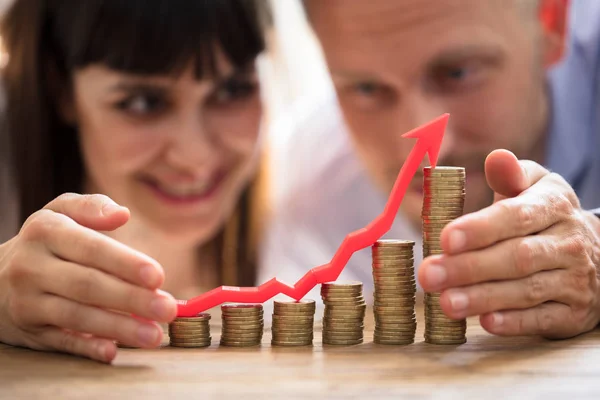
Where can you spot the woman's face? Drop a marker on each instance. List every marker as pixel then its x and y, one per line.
pixel 175 150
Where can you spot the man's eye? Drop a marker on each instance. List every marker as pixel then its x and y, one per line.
pixel 367 88
pixel 143 104
pixel 459 77
pixel 233 90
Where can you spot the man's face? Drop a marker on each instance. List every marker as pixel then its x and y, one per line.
pixel 397 64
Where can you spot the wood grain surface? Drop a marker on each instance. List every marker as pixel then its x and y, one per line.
pixel 486 367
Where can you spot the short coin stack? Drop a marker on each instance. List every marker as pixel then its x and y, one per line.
pixel 344 315
pixel 190 331
pixel 443 201
pixel 293 323
pixel 242 325
pixel 395 287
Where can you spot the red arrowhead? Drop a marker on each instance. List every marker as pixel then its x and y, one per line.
pixel 430 137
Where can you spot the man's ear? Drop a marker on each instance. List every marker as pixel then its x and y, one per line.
pixel 554 17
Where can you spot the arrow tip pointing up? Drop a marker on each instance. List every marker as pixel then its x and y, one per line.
pixel 429 137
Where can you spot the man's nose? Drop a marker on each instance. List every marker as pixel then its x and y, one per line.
pixel 420 109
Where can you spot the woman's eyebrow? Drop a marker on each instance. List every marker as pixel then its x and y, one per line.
pixel 138 87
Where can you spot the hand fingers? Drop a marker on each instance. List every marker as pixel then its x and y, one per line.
pixel 523 293
pixel 57 311
pixel 65 341
pixel 509 177
pixel 551 320
pixel 69 241
pixel 96 211
pixel 95 288
pixel 507 260
pixel 532 212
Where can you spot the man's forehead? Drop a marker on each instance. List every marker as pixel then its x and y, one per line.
pixel 382 17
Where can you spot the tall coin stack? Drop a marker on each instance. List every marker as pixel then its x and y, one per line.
pixel 190 331
pixel 242 325
pixel 395 288
pixel 293 323
pixel 344 315
pixel 443 201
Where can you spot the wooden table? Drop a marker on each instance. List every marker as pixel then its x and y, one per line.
pixel 486 367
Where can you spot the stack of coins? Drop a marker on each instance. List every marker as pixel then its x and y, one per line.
pixel 395 287
pixel 344 315
pixel 293 323
pixel 190 331
pixel 242 325
pixel 443 201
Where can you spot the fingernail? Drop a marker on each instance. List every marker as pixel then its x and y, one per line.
pixel 162 308
pixel 109 209
pixel 149 275
pixel 435 275
pixel 148 334
pixel 459 301
pixel 106 351
pixel 497 319
pixel 458 240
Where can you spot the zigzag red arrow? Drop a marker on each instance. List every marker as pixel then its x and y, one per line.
pixel 429 139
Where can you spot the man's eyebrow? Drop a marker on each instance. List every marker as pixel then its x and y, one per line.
pixel 455 55
pixel 354 75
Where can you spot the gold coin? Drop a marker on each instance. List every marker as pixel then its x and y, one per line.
pixel 394 243
pixel 241 308
pixel 333 342
pixel 293 305
pixel 290 344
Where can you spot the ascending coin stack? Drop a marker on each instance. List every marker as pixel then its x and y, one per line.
pixel 443 201
pixel 344 314
pixel 395 287
pixel 242 325
pixel 190 332
pixel 293 323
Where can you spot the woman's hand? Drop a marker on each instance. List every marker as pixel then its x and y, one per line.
pixel 64 286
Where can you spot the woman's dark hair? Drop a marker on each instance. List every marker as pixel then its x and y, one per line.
pixel 47 40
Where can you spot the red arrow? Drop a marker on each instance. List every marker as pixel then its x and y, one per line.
pixel 429 139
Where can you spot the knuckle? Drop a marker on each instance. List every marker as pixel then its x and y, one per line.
pixel 544 322
pixel 584 285
pixel 561 204
pixel 577 245
pixel 19 311
pixel 19 270
pixel 83 285
pixel 524 214
pixel 68 342
pixel 69 316
pixel 524 257
pixel 86 247
pixel 39 225
pixel 568 192
pixel 536 290
pixel 65 197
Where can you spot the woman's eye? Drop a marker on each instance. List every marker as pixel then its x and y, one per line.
pixel 143 104
pixel 233 90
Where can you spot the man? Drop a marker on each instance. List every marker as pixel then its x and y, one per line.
pixel 527 264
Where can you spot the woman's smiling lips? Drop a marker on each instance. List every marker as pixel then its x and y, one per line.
pixel 188 192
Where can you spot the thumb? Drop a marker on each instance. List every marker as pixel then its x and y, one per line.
pixel 95 211
pixel 508 176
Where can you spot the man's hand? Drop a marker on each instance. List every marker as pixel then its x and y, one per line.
pixel 528 264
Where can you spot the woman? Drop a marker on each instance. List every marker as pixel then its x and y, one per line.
pixel 155 105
